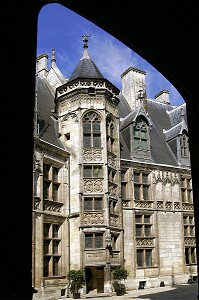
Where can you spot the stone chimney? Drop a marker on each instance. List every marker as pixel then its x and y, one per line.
pixel 163 97
pixel 134 86
pixel 42 65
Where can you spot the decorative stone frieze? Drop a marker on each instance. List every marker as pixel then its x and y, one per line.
pixel 98 84
pixel 126 203
pixel 92 256
pixel 92 154
pixel 70 117
pixel 52 205
pixel 176 205
pixel 190 241
pixel 144 204
pixel 168 205
pixel 187 206
pixel 144 241
pixel 160 204
pixel 93 186
pixel 93 218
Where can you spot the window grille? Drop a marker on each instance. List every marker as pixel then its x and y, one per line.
pixel 94 240
pixel 140 134
pixel 92 203
pixel 92 172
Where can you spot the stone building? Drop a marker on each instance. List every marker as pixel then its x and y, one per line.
pixel 111 182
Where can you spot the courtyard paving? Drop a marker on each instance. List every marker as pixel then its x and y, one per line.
pixel 176 292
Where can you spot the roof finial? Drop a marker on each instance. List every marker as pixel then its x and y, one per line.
pixel 85 40
pixel 53 55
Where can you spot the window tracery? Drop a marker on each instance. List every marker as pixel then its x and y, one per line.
pixel 91 130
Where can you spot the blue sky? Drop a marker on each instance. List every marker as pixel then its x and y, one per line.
pixel 61 29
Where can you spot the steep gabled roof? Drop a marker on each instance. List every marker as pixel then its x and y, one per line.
pixel 48 130
pixel 175 131
pixel 133 116
pixel 159 120
pixel 177 113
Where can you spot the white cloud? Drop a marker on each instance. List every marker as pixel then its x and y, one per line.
pixel 111 57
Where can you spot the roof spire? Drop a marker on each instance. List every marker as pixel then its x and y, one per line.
pixel 85 40
pixel 53 59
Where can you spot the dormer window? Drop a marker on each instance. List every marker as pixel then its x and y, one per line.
pixel 184 149
pixel 140 134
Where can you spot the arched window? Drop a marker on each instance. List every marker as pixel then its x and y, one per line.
pixel 140 131
pixel 91 130
pixel 184 149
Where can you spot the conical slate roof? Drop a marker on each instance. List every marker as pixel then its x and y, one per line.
pixel 86 68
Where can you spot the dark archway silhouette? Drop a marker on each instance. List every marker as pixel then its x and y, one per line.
pixel 164 33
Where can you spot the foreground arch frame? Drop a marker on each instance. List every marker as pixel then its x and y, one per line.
pixel 166 37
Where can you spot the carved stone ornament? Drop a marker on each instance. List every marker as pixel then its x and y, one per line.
pixel 144 242
pixel 92 154
pixel 93 218
pixel 93 186
pixel 190 241
pixel 52 205
pixel 70 117
pixel 143 204
pixel 112 190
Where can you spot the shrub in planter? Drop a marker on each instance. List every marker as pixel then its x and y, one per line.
pixel 118 275
pixel 76 280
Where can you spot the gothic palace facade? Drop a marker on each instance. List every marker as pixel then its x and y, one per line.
pixel 111 182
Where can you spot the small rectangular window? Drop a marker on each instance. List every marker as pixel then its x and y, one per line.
pixel 55 174
pixel 148 258
pixel 93 240
pixel 138 219
pixel 87 171
pixel 137 177
pixel 97 203
pixel 89 241
pixel 56 266
pixel 147 230
pixel 92 171
pixel 139 230
pixel 140 258
pixel 145 192
pixel 92 203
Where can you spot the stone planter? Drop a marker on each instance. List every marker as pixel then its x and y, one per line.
pixel 76 295
pixel 119 292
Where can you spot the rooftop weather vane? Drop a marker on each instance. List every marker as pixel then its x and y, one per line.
pixel 85 40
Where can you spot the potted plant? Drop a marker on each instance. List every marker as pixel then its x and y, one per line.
pixel 76 280
pixel 118 275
